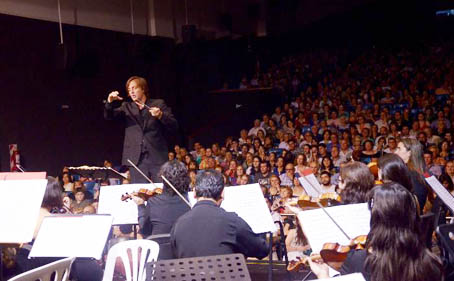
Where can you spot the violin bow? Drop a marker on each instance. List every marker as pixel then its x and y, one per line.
pixel 177 192
pixel 140 171
pixel 154 186
pixel 326 212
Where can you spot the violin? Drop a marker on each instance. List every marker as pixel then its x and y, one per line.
pixel 326 200
pixel 332 254
pixel 373 168
pixel 143 193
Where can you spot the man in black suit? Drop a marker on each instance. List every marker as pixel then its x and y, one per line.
pixel 208 230
pixel 146 122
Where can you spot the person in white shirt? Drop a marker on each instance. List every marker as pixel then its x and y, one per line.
pixel 253 131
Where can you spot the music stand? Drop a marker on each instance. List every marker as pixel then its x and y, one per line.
pixel 21 200
pixel 221 267
pixel 96 172
pixel 81 236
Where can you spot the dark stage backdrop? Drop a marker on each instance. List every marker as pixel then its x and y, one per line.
pixel 52 97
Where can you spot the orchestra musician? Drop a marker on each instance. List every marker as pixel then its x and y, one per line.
pixel 209 230
pixel 147 120
pixel 394 250
pixel 355 180
pixel 82 269
pixel 412 153
pixel 162 210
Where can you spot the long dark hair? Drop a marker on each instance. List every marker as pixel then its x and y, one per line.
pixel 358 181
pixel 53 196
pixel 393 168
pixel 395 250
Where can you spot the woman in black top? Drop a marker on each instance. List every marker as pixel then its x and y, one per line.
pixel 394 250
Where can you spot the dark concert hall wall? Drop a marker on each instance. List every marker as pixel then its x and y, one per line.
pixel 52 107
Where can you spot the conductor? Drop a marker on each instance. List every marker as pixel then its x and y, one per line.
pixel 146 120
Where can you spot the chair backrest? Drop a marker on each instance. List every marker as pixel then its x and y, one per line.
pixel 59 270
pixel 165 249
pixel 134 254
pixel 216 268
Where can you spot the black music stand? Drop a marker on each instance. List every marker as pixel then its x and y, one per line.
pixel 222 267
pixel 96 172
pixel 445 235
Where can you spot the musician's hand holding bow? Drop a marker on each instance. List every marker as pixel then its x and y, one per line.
pixel 113 96
pixel 319 268
pixel 156 112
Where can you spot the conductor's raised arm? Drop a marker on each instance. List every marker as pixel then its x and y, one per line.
pixel 110 112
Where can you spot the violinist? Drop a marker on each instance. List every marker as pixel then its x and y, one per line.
pixel 161 211
pixel 392 168
pixel 411 152
pixel 355 180
pixel 394 250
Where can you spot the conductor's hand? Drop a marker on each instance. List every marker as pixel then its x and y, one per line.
pixel 156 112
pixel 113 96
pixel 137 200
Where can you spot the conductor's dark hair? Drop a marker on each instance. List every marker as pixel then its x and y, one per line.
pixel 209 184
pixel 177 174
pixel 53 196
pixel 393 168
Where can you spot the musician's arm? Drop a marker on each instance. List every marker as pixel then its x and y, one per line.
pixel 144 219
pixel 249 243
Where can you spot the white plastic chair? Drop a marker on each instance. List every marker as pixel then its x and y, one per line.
pixel 149 252
pixel 62 268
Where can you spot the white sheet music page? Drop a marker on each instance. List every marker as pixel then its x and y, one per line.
pixel 248 202
pixel 308 186
pixel 72 236
pixel 319 228
pixel 441 192
pixel 20 202
pixel 123 212
pixel 348 277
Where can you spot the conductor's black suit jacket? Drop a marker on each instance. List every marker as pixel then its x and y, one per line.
pixel 144 132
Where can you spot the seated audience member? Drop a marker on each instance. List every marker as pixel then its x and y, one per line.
pixel 162 210
pixel 67 183
pixel 280 204
pixel 79 203
pixel 325 183
pixel 394 250
pixel 289 175
pixel 208 230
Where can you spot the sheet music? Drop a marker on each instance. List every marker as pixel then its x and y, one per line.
pixel 72 236
pixel 307 185
pixel 248 202
pixel 123 212
pixel 441 192
pixel 20 202
pixel 319 228
pixel 348 277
